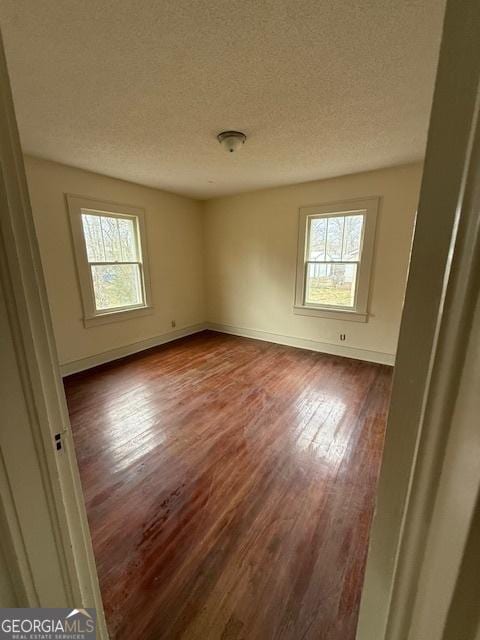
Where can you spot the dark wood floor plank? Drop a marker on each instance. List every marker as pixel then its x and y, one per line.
pixel 230 487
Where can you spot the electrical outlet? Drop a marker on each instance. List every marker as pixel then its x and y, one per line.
pixel 174 323
pixel 343 337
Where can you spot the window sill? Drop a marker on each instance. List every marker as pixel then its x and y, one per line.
pixel 333 314
pixel 115 316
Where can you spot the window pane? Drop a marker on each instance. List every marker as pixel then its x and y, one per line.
pixel 116 285
pixel 352 238
pixel 110 239
pixel 317 239
pixel 92 231
pixel 128 239
pixel 331 284
pixel 335 237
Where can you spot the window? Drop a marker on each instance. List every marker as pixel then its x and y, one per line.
pixel 335 251
pixel 110 255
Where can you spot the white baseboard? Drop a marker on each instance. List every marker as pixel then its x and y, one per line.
pixel 303 343
pixel 114 354
pixel 76 366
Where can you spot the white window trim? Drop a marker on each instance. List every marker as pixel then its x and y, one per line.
pixel 359 313
pixel 92 317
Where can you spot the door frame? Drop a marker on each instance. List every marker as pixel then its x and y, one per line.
pixel 43 395
pixel 437 327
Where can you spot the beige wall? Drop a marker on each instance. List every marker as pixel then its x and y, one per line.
pixel 175 238
pixel 251 245
pixel 247 244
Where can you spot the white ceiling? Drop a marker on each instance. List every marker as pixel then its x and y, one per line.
pixel 138 89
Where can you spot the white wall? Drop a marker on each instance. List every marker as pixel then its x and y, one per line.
pixel 175 247
pixel 251 245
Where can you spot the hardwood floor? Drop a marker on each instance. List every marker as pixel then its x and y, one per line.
pixel 230 488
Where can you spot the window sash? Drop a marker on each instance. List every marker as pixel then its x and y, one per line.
pixel 115 216
pixel 138 263
pixel 117 262
pixel 332 262
pixel 135 305
pixel 328 216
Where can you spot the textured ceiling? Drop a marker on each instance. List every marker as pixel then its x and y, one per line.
pixel 138 89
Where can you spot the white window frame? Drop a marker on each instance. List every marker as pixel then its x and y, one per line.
pixel 92 316
pixel 359 312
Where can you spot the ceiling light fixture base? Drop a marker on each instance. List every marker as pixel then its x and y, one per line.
pixel 231 140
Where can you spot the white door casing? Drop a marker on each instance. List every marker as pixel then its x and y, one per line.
pixel 45 535
pixel 442 292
